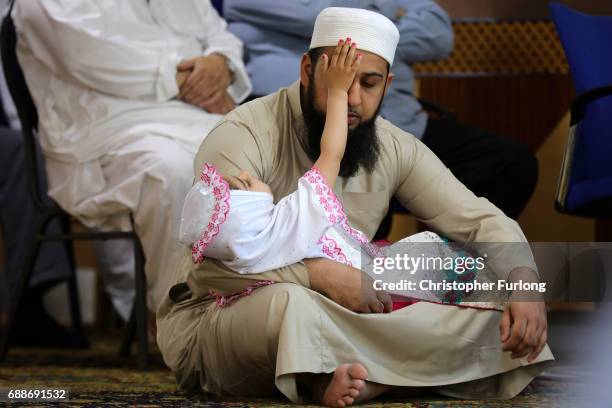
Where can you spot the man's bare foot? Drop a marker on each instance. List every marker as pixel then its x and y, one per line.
pixel 344 387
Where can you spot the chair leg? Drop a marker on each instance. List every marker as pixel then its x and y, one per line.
pixel 140 306
pixel 73 292
pixel 21 286
pixel 126 344
pixel 137 325
pixel 4 298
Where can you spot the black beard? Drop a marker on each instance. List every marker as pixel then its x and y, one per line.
pixel 362 145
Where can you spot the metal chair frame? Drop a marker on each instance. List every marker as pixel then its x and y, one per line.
pixel 29 121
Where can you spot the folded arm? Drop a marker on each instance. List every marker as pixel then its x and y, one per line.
pixel 81 43
pixel 425 28
pixel 426 32
pixel 290 17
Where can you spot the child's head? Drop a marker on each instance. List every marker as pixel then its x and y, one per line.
pixel 220 209
pixel 247 182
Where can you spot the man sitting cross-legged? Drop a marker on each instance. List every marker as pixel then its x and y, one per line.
pixel 301 336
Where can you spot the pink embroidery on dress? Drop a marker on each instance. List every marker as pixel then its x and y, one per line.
pixel 371 249
pixel 327 198
pixel 335 212
pixel 221 193
pixel 223 301
pixel 332 250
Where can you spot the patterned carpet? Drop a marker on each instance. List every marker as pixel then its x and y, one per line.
pixel 98 377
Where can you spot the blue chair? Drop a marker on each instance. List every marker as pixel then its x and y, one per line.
pixel 585 183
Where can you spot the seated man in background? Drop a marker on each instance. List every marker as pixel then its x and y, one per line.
pixel 498 168
pixel 18 222
pixel 125 93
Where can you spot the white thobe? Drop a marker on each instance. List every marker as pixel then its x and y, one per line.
pixel 102 76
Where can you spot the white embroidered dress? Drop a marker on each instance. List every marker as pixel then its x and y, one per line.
pixel 249 234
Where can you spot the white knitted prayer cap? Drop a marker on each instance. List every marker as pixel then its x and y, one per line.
pixel 372 31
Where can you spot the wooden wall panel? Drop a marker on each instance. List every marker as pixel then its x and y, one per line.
pixel 523 107
pixel 510 9
pixel 496 48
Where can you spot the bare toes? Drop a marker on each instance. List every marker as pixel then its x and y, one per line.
pixel 357 384
pixel 358 372
pixel 345 385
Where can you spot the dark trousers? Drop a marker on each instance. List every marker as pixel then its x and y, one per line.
pixel 499 168
pixel 19 217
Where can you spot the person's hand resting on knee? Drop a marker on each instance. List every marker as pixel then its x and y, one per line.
pixel 523 326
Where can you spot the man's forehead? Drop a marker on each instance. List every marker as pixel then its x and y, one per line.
pixel 370 62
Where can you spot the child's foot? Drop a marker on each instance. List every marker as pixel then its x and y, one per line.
pixel 347 382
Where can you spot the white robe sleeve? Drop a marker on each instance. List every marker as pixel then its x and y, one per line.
pixel 75 40
pixel 198 18
pixel 298 222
